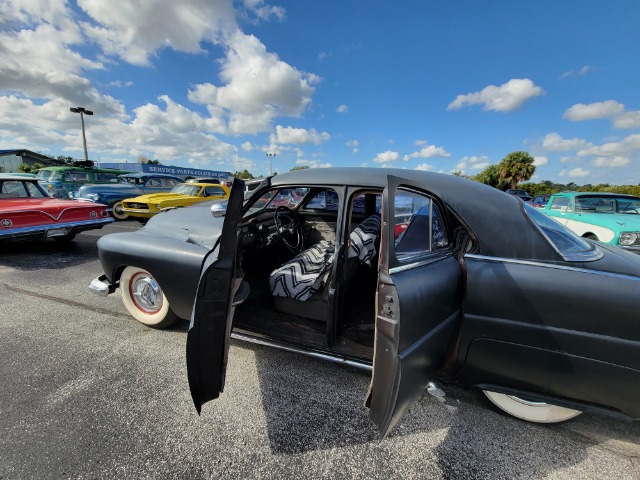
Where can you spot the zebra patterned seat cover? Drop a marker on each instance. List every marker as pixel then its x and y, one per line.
pixel 306 273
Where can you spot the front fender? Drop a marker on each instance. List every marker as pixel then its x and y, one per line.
pixel 175 264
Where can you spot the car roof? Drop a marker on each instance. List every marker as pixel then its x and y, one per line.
pixel 203 184
pixel 597 194
pixel 496 218
pixel 5 176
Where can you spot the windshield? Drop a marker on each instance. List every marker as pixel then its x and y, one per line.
pixel 184 189
pixel 607 204
pixel 284 197
pixel 129 180
pixel 571 246
pixel 49 176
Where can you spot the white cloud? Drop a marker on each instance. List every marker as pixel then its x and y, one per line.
pixel 507 97
pixel 539 161
pixel 425 167
pixel 135 30
pixel 555 143
pixel 247 146
pixel 258 87
pixel 298 136
pixel 352 143
pixel 480 166
pixel 580 111
pixel 428 152
pixel 342 109
pixel 623 148
pixel 627 120
pixel 386 157
pixel 473 162
pixel 576 73
pixel 611 162
pixel 313 164
pixel 575 173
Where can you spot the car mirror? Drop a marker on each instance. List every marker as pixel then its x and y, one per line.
pixel 219 209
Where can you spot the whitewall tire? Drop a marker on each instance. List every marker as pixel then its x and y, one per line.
pixel 118 213
pixel 531 411
pixel 144 299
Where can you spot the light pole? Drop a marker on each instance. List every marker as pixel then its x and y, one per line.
pixel 271 155
pixel 83 111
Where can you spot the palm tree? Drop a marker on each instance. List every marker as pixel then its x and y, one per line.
pixel 517 167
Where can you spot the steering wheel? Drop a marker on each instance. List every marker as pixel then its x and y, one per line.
pixel 289 228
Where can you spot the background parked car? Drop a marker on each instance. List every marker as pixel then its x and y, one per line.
pixel 540 201
pixel 608 217
pixel 27 211
pixel 182 195
pixel 129 185
pixel 63 181
pixel 518 192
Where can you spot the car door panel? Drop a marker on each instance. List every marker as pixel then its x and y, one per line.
pixel 210 328
pixel 418 314
pixel 524 328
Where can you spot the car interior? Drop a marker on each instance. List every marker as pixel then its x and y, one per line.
pixel 289 259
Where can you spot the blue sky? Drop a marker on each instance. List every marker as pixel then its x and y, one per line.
pixel 428 85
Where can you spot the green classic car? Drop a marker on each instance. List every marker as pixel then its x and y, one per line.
pixel 182 195
pixel 607 217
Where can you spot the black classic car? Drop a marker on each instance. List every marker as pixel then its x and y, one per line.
pixel 129 185
pixel 477 288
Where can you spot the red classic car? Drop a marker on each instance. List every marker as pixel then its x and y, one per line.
pixel 28 212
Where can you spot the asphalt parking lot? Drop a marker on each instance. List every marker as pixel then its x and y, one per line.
pixel 87 392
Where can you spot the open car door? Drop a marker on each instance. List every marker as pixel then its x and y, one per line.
pixel 419 300
pixel 210 328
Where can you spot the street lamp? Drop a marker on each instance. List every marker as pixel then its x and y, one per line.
pixel 83 111
pixel 271 155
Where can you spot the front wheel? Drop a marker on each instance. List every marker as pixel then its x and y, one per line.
pixel 144 299
pixel 591 236
pixel 118 212
pixel 531 411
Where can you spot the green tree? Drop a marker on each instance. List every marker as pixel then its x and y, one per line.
pixel 26 168
pixel 491 176
pixel 244 175
pixel 299 167
pixel 517 167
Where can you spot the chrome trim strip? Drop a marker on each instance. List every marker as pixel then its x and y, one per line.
pixel 44 228
pixel 421 263
pixel 310 353
pixel 534 263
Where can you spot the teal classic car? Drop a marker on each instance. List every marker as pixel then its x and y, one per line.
pixel 607 217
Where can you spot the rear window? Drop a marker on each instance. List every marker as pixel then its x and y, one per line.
pixel 569 245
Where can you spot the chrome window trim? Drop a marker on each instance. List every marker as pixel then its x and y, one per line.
pixel 421 263
pixel 533 263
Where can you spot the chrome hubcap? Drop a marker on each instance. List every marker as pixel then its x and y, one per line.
pixel 146 293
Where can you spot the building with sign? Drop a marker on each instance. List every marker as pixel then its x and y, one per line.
pixel 180 171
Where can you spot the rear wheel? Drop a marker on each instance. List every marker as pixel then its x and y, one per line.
pixel 529 410
pixel 118 212
pixel 144 299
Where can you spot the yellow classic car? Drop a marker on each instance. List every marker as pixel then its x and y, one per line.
pixel 182 195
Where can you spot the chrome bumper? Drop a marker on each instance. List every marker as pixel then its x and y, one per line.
pixel 101 286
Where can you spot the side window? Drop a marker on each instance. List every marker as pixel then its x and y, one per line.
pixel 418 226
pixel 326 200
pixel 169 182
pixel 154 183
pixel 106 177
pixel 561 203
pixel 76 177
pixel 214 192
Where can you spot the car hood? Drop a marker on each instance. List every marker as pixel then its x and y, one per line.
pixel 194 225
pixel 162 197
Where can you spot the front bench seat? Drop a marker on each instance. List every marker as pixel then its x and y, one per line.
pixel 297 285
